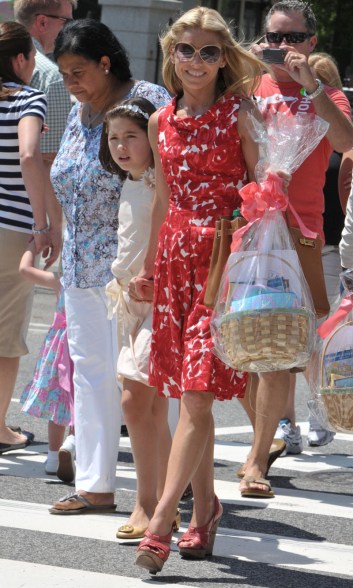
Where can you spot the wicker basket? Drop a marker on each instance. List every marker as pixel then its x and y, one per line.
pixel 267 340
pixel 338 402
pixel 339 409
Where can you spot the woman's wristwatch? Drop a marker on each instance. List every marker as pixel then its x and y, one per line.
pixel 43 231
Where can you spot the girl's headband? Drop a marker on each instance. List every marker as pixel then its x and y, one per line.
pixel 132 108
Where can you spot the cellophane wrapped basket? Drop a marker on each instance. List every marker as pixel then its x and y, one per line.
pixel 331 379
pixel 263 318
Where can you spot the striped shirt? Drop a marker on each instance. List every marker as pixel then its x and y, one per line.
pixel 15 208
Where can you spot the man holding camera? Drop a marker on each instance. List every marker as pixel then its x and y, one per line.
pixel 291 87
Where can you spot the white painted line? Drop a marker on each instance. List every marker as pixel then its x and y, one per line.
pixel 39 326
pixel 20 574
pixel 258 547
pixel 296 554
pixel 30 463
pixel 301 501
pixel 304 426
pixel 36 517
pixel 309 461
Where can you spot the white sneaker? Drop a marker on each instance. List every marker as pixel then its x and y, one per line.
pixel 66 467
pixel 291 435
pixel 51 466
pixel 318 435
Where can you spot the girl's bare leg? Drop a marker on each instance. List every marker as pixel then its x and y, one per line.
pixel 55 436
pixel 146 417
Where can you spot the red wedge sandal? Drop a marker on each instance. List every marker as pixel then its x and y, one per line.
pixel 197 542
pixel 153 551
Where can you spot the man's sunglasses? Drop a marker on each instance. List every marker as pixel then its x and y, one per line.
pixel 63 18
pixel 208 53
pixel 291 38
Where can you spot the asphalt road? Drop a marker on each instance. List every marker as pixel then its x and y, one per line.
pixel 302 537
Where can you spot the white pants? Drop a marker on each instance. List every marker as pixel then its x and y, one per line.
pixel 93 348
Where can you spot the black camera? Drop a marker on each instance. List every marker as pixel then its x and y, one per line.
pixel 272 55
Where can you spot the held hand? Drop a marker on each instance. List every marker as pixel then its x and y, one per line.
pixel 55 237
pixel 286 179
pixel 140 289
pixel 42 243
pixel 257 48
pixel 283 175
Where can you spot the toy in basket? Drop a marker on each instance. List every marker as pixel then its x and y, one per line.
pixel 264 327
pixel 333 395
pixel 263 318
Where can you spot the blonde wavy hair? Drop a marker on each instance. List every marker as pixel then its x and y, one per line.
pixel 326 69
pixel 242 72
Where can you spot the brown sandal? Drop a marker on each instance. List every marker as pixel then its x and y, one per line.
pixel 276 450
pixel 82 506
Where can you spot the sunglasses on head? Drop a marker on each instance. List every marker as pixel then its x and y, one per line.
pixel 291 38
pixel 208 53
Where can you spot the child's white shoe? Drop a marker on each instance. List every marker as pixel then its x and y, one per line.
pixel 66 467
pixel 52 463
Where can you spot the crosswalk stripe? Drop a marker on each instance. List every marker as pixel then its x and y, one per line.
pixel 17 574
pixel 308 461
pixel 265 548
pixel 301 501
pixel 304 426
pixel 279 551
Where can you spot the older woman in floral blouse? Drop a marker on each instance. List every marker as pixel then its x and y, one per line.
pixel 98 75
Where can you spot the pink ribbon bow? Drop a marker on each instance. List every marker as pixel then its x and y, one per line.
pixel 331 323
pixel 267 195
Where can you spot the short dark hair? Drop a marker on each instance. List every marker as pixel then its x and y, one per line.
pixel 295 6
pixel 123 110
pixel 14 39
pixel 93 40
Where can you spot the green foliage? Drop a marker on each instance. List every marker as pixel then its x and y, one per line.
pixel 335 30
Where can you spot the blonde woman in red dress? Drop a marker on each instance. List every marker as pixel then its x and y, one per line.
pixel 203 156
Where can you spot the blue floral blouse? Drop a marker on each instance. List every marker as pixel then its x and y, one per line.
pixel 90 196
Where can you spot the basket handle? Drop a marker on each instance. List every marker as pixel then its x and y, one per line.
pixel 241 259
pixel 329 338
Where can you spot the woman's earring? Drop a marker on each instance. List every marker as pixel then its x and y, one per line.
pixel 106 71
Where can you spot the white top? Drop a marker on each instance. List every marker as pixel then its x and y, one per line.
pixel 134 319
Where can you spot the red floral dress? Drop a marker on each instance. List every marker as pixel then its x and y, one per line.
pixel 204 167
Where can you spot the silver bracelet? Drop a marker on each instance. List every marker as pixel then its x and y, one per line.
pixel 36 231
pixel 315 93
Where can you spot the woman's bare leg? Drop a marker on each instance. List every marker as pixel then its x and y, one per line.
pixel 272 397
pixel 190 459
pixel 8 374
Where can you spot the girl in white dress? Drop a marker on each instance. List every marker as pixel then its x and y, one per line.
pixel 125 150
